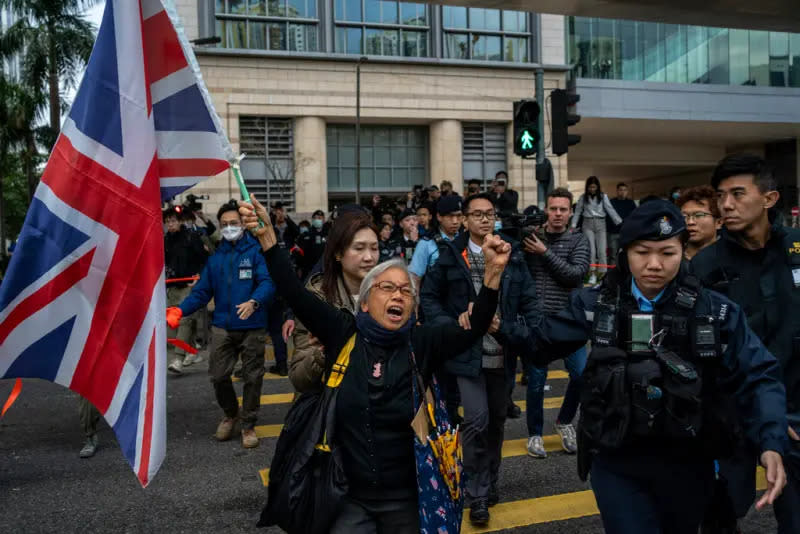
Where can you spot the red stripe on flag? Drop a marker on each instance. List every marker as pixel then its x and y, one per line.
pixel 175 168
pixel 162 50
pixel 47 294
pixel 147 427
pixel 134 213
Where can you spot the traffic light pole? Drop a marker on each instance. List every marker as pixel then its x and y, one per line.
pixel 542 187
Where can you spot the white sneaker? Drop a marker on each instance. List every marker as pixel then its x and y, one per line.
pixel 189 359
pixel 569 440
pixel 593 280
pixel 536 447
pixel 176 367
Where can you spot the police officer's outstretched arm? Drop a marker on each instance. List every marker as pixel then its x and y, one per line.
pixel 755 375
pixel 557 336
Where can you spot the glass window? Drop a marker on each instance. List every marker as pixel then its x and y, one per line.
pixel 413 14
pixel 381 40
pixel 454 17
pixel 759 57
pixel 240 24
pixel 675 48
pixel 653 51
pixel 739 49
pixel 697 54
pixel 455 46
pixel 486 39
pixel 515 21
pixel 794 58
pixel 348 40
pixel 718 63
pixel 628 52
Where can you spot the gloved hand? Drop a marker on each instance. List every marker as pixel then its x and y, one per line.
pixel 174 315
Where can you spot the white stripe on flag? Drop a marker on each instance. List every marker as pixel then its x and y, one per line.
pixel 171 84
pixel 150 8
pixel 188 145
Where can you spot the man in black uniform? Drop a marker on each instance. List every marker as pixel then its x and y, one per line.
pixel 756 263
pixel 672 363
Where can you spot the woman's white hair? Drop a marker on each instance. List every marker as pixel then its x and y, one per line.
pixel 369 280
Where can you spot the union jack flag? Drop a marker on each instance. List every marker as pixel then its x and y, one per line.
pixel 83 301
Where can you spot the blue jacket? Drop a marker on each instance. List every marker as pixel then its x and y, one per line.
pixel 235 273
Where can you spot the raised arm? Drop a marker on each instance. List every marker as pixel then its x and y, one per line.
pixel 323 320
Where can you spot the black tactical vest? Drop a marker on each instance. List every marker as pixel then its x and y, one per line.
pixel 667 391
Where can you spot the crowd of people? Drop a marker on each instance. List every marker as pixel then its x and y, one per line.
pixel 666 313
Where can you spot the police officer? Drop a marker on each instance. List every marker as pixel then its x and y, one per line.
pixel 655 412
pixel 427 252
pixel 756 263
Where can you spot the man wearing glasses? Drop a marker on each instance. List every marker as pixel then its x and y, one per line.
pixel 699 208
pixel 448 292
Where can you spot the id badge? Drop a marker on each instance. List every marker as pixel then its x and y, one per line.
pixel 796 277
pixel 641 331
pixel 245 274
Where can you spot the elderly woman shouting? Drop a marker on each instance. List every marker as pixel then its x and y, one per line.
pixel 375 407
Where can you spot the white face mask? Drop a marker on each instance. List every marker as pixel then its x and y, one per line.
pixel 232 233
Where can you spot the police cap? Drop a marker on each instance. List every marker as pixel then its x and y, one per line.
pixel 449 204
pixel 408 212
pixel 656 220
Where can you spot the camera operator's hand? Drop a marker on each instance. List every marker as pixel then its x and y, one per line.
pixel 376 200
pixel 200 215
pixel 534 245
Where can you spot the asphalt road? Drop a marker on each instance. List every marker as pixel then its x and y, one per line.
pixel 207 486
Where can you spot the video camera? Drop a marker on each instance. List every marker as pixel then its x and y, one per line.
pixel 191 203
pixel 522 225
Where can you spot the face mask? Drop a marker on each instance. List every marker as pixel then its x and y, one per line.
pixel 498 226
pixel 303 230
pixel 675 196
pixel 316 223
pixel 232 233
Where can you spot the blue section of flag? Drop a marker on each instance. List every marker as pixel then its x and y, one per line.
pixel 169 192
pixel 127 425
pixel 184 111
pixel 44 241
pixel 96 110
pixel 43 358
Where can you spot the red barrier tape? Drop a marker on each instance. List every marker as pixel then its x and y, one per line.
pixel 182 345
pixel 176 280
pixel 602 265
pixel 13 397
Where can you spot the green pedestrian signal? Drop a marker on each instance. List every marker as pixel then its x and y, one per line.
pixel 527 140
pixel 526 128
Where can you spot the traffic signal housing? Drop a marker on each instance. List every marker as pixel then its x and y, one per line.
pixel 526 128
pixel 562 116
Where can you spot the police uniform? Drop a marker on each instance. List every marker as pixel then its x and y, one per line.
pixel 654 413
pixel 766 284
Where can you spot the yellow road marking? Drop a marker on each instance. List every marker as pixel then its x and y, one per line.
pixel 551 375
pixel 268 431
pixel 277 398
pixel 264 474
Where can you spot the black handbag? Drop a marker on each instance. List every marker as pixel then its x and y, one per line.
pixel 307 481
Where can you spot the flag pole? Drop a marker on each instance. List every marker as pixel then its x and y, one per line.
pixel 237 173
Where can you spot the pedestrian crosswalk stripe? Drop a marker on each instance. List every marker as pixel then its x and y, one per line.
pixel 264 474
pixel 277 398
pixel 268 431
pixel 549 404
pixel 551 375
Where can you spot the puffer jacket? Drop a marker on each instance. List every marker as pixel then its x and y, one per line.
pixel 559 270
pixel 307 363
pixel 235 274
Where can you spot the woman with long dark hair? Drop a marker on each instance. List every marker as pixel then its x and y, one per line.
pixel 350 253
pixel 375 402
pixel 594 206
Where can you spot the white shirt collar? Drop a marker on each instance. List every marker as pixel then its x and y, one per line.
pixel 474 248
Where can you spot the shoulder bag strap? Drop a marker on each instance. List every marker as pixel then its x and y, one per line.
pixel 340 367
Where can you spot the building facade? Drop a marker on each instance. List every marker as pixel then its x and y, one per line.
pixel 660 103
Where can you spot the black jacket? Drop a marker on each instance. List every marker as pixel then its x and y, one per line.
pixel 506 202
pixel 766 284
pixel 448 289
pixel 373 425
pixel 184 255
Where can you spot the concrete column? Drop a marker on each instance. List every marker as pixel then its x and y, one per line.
pixel 311 163
pixel 446 145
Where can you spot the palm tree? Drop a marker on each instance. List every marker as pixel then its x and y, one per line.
pixel 54 41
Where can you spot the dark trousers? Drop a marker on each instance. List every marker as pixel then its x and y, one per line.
pixel 648 494
pixel 274 324
pixel 226 345
pixel 89 417
pixel 787 507
pixel 377 517
pixel 537 376
pixel 485 404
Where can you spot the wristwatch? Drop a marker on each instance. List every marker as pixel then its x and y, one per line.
pixel 256 304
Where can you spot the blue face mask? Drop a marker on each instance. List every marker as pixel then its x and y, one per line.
pixel 303 229
pixel 316 223
pixel 498 225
